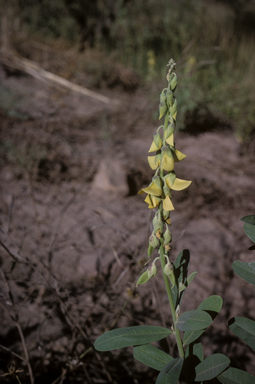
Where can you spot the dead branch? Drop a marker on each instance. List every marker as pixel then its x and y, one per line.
pixel 11 59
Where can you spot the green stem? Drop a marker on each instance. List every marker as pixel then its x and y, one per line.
pixel 169 292
pixel 171 302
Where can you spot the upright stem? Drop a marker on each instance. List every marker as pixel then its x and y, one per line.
pixel 167 283
pixel 171 301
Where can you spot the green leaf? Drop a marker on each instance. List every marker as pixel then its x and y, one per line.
pixel 127 337
pixel 249 229
pixel 236 376
pixel 245 270
pixel 151 356
pixel 193 321
pixel 171 372
pixel 190 336
pixel 243 328
pixel 191 277
pixel 211 367
pixel 212 305
pixel 181 268
pixel 249 219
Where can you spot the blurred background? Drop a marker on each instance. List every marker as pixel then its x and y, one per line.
pixel 79 92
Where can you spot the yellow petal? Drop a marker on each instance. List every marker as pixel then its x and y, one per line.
pixel 155 201
pixel 167 204
pixel 168 221
pixel 167 163
pixel 153 162
pixel 148 201
pixel 170 140
pixel 153 147
pixel 152 189
pixel 178 156
pixel 180 184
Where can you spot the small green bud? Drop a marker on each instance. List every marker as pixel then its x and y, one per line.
pixel 173 82
pixel 162 109
pixel 182 287
pixel 152 270
pixel 173 109
pixel 153 240
pixel 170 97
pixel 157 139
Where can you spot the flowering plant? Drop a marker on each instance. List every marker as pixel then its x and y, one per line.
pixel 188 326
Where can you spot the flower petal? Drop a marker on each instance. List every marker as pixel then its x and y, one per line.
pixel 153 147
pixel 180 184
pixel 178 156
pixel 167 204
pixel 153 189
pixel 170 140
pixel 153 162
pixel 167 163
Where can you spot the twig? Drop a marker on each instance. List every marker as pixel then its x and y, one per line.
pixel 16 322
pixel 13 353
pixel 33 69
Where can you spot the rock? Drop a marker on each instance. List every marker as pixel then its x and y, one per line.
pixel 111 177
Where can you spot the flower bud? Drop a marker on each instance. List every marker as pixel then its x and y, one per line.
pixel 153 240
pixel 173 82
pixel 170 97
pixel 173 109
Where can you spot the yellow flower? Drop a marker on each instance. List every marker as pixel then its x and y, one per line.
pixel 176 184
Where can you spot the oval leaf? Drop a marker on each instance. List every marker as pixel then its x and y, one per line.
pixel 245 270
pixel 249 219
pixel 211 367
pixel 151 356
pixel 171 372
pixel 211 304
pixel 236 376
pixel 127 337
pixel 193 321
pixel 249 229
pixel 190 336
pixel 243 328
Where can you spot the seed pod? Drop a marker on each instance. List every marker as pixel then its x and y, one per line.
pixel 168 269
pixel 157 223
pixel 167 236
pixel 152 270
pixel 149 251
pixel 143 278
pixel 153 240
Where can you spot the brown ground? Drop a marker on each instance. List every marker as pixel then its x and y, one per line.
pixel 74 231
